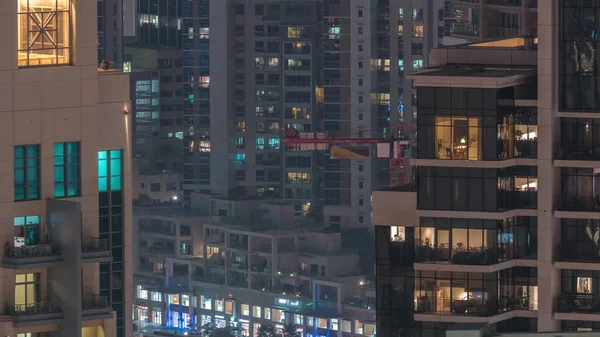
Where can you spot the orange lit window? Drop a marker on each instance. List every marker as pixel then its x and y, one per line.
pixel 44 32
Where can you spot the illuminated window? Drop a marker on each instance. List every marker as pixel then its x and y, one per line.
pixel 397 233
pixel 256 310
pixel 240 126
pixel 27 291
pixel 67 171
pixel 417 31
pixel 294 32
pixel 44 32
pixel 126 67
pixel 245 309
pixel 298 178
pixel 204 81
pixel 27 172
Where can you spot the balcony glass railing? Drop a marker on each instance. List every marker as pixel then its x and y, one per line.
pixel 473 256
pixel 578 152
pixel 502 32
pixel 31 251
pixel 578 303
pixel 578 252
pixel 40 308
pixel 94 245
pixel 94 302
pixel 465 28
pixel 512 3
pixel 578 203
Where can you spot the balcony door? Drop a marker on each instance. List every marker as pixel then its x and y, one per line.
pixel 27 291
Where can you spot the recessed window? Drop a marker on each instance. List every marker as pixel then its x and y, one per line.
pixel 67 173
pixel 27 172
pixel 44 36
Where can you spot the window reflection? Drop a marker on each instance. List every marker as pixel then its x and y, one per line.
pixel 458 138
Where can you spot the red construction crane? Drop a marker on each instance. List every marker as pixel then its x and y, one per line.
pixel 395 148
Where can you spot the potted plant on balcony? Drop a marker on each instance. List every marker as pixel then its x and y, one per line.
pixel 424 250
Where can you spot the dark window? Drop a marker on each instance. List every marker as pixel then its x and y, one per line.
pixel 258 9
pixel 239 9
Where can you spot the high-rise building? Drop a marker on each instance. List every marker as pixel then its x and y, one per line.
pixel 305 65
pixel 460 244
pixel 244 264
pixel 66 267
pixel 110 30
pixel 501 226
pixel 478 20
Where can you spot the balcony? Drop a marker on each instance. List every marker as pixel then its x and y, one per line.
pixel 477 257
pixel 156 229
pixel 577 203
pixel 465 28
pixel 95 250
pixel 578 252
pixel 27 315
pixel 578 303
pixel 29 257
pixel 578 152
pixel 502 32
pixel 148 268
pixel 508 3
pixel 95 307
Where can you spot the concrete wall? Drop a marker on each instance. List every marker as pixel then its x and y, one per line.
pixel 64 280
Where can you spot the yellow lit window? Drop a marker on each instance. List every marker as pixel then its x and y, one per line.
pixel 417 31
pixel 294 32
pixel 44 32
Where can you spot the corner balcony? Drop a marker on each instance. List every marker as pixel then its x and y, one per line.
pixel 580 255
pixel 470 310
pixel 34 314
pixel 95 307
pixel 30 257
pixel 578 306
pixel 95 250
pixel 578 203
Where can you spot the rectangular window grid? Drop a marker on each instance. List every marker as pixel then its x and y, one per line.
pixel 27 172
pixel 67 170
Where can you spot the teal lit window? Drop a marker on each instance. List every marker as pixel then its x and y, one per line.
pixel 110 170
pixel 27 172
pixel 67 170
pixel 260 143
pixel 240 158
pixel 273 144
pixel 26 230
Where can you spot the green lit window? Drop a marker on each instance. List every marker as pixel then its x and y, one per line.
pixel 27 172
pixel 109 170
pixel 67 170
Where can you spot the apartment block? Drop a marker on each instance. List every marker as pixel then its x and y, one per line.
pixel 244 263
pixel 66 194
pixel 478 20
pixel 498 229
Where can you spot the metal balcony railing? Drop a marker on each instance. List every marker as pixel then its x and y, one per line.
pixel 31 251
pixel 33 309
pixel 94 245
pixel 94 302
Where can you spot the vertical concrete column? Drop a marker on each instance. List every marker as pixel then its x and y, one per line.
pixel 548 176
pixel 275 260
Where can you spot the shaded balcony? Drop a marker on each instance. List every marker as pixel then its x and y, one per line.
pixel 33 256
pixel 580 292
pixel 34 314
pixel 95 307
pixel 578 303
pixel 493 242
pixel 578 203
pixel 95 250
pixel 574 151
pixel 578 252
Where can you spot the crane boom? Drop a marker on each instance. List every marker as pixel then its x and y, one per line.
pixel 395 150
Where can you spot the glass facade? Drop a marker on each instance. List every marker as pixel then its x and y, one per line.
pixel 110 184
pixel 579 79
pixel 67 170
pixel 27 172
pixel 196 99
pixel 468 124
pixel 44 35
